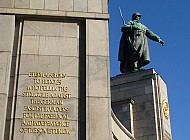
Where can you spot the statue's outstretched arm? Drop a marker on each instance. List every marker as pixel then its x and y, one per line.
pixel 154 37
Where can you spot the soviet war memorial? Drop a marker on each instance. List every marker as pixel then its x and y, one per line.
pixel 55 75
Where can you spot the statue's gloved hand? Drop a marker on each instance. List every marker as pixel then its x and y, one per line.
pixel 135 27
pixel 161 41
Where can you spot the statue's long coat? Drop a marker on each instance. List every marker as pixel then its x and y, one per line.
pixel 134 45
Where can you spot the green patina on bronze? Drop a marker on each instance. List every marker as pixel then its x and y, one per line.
pixel 133 49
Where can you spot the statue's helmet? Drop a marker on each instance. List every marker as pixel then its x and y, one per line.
pixel 135 14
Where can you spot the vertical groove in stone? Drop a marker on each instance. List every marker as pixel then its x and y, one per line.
pixel 82 83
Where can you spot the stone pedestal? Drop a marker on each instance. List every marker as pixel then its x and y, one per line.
pixel 140 102
pixel 54 70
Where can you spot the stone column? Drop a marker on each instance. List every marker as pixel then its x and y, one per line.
pixel 150 110
pixel 98 109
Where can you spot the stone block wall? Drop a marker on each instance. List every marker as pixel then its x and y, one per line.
pixel 91 6
pixel 68 37
pixel 150 114
pixel 46 47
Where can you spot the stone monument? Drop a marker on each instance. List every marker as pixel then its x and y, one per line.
pixel 133 47
pixel 55 81
pixel 139 97
pixel 54 70
pixel 140 102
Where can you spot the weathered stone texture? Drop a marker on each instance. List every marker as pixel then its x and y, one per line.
pixel 3 110
pixel 22 4
pixel 6 3
pixel 4 71
pixel 95 6
pixel 105 6
pixel 66 5
pixel 36 4
pixel 148 90
pixel 97 81
pixel 97 32
pixel 99 126
pixel 69 65
pixel 37 28
pixel 51 4
pixel 52 45
pixel 49 47
pixel 98 76
pixel 7 28
pixel 30 45
pixel 7 32
pixel 80 5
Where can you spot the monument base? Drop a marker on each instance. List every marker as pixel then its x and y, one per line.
pixel 140 102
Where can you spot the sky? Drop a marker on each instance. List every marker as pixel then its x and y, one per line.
pixel 170 20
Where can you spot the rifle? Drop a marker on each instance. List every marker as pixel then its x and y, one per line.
pixel 123 20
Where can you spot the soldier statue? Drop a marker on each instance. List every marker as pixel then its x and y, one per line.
pixel 133 49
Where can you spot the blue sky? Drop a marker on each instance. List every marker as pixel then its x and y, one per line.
pixel 170 20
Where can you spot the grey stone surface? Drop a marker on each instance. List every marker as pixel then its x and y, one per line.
pixel 97 41
pixel 51 5
pixel 7 32
pixel 80 5
pixel 51 43
pixel 70 30
pixel 97 81
pixel 36 4
pixel 49 51
pixel 165 122
pixel 6 3
pixel 30 44
pixel 69 65
pixel 7 27
pixel 58 46
pixel 25 67
pixel 3 108
pixel 122 93
pixel 98 84
pixel 4 71
pixel 22 4
pixel 98 126
pixel 95 6
pixel 39 64
pixel 105 6
pixel 48 64
pixel 72 84
pixel 55 38
pixel 148 90
pixel 133 76
pixel 58 13
pixel 40 28
pixel 66 5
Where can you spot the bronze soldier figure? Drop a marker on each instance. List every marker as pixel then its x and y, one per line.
pixel 133 49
